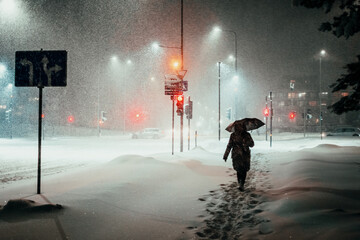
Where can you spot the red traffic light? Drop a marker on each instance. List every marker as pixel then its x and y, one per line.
pixel 70 119
pixel 42 115
pixel 266 112
pixel 292 115
pixel 180 98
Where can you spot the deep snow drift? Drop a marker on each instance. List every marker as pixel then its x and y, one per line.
pixel 119 188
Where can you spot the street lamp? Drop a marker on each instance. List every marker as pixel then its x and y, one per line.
pixel 322 54
pixel 219 103
pixel 218 29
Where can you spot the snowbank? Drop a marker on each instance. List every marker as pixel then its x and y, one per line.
pixel 115 188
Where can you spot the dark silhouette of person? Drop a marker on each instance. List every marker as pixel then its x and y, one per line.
pixel 239 144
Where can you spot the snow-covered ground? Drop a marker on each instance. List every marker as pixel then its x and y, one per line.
pixel 121 188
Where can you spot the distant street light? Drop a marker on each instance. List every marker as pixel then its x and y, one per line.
pixel 322 54
pixel 114 58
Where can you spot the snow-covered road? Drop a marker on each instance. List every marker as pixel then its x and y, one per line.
pixel 120 188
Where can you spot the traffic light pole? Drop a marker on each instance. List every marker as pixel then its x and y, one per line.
pixel 266 120
pixel 39 139
pixel 271 118
pixel 181 131
pixel 182 68
pixel 172 128
pixel 189 125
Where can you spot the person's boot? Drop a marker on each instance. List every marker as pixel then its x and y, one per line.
pixel 241 188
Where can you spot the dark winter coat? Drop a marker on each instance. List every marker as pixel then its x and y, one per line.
pixel 239 145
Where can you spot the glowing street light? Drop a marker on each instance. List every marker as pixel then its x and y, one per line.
pixel 322 54
pixel 114 58
pixel 8 7
pixel 217 29
pixel 155 45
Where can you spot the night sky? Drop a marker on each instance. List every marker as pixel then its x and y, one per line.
pixel 276 42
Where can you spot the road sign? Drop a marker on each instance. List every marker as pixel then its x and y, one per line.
pixel 181 73
pixel 173 85
pixel 40 68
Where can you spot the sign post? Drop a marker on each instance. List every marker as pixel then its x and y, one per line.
pixel 175 85
pixel 40 69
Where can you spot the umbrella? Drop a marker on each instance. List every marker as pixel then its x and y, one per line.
pixel 248 123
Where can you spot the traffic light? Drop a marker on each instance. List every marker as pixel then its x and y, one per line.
pixel 188 110
pixel 103 117
pixel 70 119
pixel 228 113
pixel 180 104
pixel 308 114
pixel 292 115
pixel 266 112
pixel 7 115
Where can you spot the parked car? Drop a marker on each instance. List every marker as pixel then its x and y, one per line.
pixel 345 131
pixel 154 133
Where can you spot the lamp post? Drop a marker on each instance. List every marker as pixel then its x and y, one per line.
pixel 236 57
pixel 322 54
pixel 219 102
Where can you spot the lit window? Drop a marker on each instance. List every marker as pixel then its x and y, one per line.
pixel 312 103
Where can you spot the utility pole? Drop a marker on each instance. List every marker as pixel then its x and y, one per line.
pixel 219 101
pixel 182 68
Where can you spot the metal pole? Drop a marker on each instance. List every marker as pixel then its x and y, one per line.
pixel 43 127
pixel 182 34
pixel 304 120
pixel 236 72
pixel 266 123
pixel 271 118
pixel 320 114
pixel 181 131
pixel 189 124
pixel 196 134
pixel 98 108
pixel 172 125
pixel 182 68
pixel 219 101
pixel 124 107
pixel 39 140
pixel 11 115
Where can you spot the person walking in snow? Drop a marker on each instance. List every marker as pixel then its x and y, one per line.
pixel 239 144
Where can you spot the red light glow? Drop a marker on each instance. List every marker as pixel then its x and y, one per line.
pixel 266 112
pixel 70 119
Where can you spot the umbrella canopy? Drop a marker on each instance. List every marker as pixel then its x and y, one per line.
pixel 247 123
